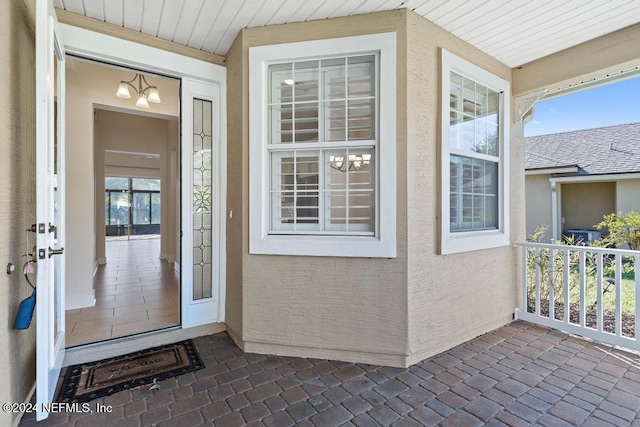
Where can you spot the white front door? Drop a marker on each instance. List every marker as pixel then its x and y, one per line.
pixel 50 231
pixel 202 203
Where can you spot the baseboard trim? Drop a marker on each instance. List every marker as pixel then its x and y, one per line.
pixel 393 360
pixel 73 302
pixel 102 260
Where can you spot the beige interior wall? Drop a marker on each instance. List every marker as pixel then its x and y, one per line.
pixel 538 200
pixel 628 195
pixel 80 246
pixel 17 187
pixel 455 297
pixel 137 134
pixel 584 204
pixel 345 308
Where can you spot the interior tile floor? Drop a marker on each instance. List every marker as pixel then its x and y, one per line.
pixel 517 375
pixel 135 292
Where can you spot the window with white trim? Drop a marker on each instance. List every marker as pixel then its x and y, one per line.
pixel 316 144
pixel 475 157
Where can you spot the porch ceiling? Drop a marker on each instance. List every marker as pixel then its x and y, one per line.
pixel 512 31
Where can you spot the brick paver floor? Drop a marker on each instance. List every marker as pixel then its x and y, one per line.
pixel 517 375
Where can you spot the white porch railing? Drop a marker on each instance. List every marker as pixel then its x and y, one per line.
pixel 587 291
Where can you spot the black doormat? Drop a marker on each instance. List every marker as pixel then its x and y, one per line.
pixel 88 381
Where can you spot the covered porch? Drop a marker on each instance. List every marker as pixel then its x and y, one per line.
pixel 517 375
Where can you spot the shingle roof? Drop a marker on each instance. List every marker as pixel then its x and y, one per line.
pixel 605 150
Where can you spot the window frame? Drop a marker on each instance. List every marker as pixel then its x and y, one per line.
pixel 383 241
pixel 465 241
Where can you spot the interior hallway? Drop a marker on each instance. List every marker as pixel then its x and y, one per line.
pixel 135 292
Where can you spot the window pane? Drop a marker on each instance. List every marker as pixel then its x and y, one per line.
pixel 361 119
pixel 474 110
pixel 141 208
pixel 202 200
pixel 145 184
pixel 349 190
pixel 295 191
pixel 361 77
pixel 113 183
pixel 474 194
pixel 155 208
pixel 119 209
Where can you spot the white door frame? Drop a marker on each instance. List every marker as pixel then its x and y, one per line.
pixel 101 47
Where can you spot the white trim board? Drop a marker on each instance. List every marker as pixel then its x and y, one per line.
pixel 101 47
pixel 109 49
pixel 595 178
pixel 549 171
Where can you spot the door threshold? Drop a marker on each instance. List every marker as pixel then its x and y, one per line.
pixel 119 346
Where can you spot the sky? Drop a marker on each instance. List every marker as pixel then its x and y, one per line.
pixel 608 105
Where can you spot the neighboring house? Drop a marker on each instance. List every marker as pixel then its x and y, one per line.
pixel 575 178
pixel 368 214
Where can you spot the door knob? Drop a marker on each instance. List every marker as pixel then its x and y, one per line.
pixel 53 252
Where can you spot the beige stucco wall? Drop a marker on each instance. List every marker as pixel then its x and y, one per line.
pixel 390 311
pixel 628 195
pixel 17 186
pixel 344 308
pixel 455 297
pixel 584 204
pixel 538 201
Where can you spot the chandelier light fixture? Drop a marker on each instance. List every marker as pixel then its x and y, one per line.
pixel 145 92
pixel 353 162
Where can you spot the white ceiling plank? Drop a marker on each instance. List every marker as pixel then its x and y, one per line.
pixel 284 11
pixel 304 10
pixel 94 9
pixel 550 27
pixel 429 7
pixel 581 28
pixel 74 6
pixel 221 24
pixel 204 23
pixel 508 18
pixel 345 8
pixel 240 21
pixel 169 19
pixel 368 6
pixel 190 13
pixel 113 12
pixel 133 14
pixel 444 12
pixel 479 8
pixel 265 12
pixel 413 4
pixel 391 5
pixel 151 12
pixel 325 9
pixel 523 26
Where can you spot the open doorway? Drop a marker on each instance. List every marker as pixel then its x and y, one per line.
pixel 135 163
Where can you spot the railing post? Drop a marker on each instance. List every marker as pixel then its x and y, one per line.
pixel 583 286
pixel 636 275
pixel 599 292
pixel 525 279
pixel 552 296
pixel 537 280
pixel 567 303
pixel 618 282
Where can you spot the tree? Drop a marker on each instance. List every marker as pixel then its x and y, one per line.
pixel 623 229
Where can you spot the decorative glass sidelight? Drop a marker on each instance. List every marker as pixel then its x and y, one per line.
pixel 202 200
